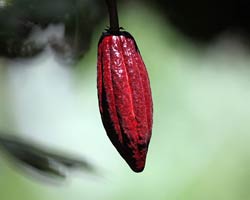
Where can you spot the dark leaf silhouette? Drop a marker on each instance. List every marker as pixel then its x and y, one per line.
pixel 42 161
pixel 78 17
pixel 205 20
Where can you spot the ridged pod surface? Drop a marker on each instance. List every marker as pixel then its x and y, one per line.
pixel 125 99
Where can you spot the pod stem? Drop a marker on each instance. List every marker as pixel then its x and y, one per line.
pixel 113 16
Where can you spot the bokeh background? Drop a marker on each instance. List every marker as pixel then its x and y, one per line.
pixel 199 67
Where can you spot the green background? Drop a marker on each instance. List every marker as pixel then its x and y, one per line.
pixel 200 142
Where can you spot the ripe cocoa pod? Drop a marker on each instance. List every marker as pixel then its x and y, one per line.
pixel 125 99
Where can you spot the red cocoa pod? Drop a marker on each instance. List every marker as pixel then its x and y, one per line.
pixel 125 99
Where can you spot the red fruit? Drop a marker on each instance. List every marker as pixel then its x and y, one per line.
pixel 124 95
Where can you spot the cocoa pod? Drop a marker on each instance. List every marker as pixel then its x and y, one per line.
pixel 125 99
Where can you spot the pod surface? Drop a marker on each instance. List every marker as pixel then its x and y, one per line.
pixel 125 99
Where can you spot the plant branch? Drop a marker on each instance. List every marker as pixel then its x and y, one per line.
pixel 113 15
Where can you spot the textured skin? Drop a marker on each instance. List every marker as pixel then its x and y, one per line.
pixel 125 99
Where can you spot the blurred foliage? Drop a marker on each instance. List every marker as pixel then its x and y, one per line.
pixel 205 20
pixel 36 158
pixel 200 20
pixel 78 16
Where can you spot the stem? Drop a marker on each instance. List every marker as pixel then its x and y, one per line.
pixel 113 15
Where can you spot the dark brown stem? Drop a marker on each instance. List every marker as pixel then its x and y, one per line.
pixel 113 15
